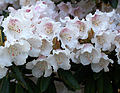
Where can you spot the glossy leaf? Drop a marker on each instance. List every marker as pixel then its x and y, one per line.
pixel 51 88
pixel 100 84
pixel 4 87
pixel 68 79
pixel 19 76
pixel 43 83
pixel 107 84
pixel 32 88
pixel 90 86
pixel 19 88
pixel 12 87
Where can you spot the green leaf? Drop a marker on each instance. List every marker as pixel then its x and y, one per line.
pixel 43 83
pixel 4 87
pixel 12 87
pixel 68 79
pixel 32 88
pixel 83 74
pixel 90 86
pixel 113 3
pixel 107 84
pixel 19 88
pixel 19 76
pixel 100 84
pixel 97 75
pixel 51 88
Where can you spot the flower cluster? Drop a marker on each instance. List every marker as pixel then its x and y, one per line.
pixel 65 9
pixel 36 31
pixel 81 9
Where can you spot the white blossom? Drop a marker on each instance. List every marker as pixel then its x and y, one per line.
pixel 99 21
pixel 103 64
pixel 18 51
pixel 46 47
pixel 3 72
pixel 60 59
pixel 48 28
pixel 69 37
pixel 16 28
pixel 103 39
pixel 35 45
pixel 40 67
pixel 88 54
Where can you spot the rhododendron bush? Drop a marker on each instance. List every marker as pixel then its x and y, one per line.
pixel 73 42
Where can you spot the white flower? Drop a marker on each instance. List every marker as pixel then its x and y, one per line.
pixel 82 25
pixel 39 46
pixel 5 59
pixel 117 40
pixel 73 58
pixel 18 51
pixel 40 67
pixel 83 7
pixel 100 21
pixel 118 54
pixel 69 37
pixel 3 72
pixel 65 9
pixel 35 45
pixel 16 28
pixel 60 59
pixel 88 54
pixel 45 8
pixel 103 39
pixel 103 64
pixel 48 28
pixel 46 47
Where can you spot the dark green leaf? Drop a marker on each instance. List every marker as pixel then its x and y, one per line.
pixel 51 88
pixel 12 87
pixel 100 84
pixel 68 79
pixel 97 75
pixel 113 3
pixel 83 74
pixel 75 67
pixel 43 83
pixel 32 88
pixel 107 84
pixel 19 76
pixel 4 87
pixel 19 88
pixel 90 86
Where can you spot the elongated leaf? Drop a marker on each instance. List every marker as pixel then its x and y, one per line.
pixel 107 84
pixel 43 83
pixel 19 76
pixel 51 88
pixel 19 88
pixel 113 3
pixel 32 88
pixel 68 79
pixel 4 87
pixel 90 86
pixel 100 84
pixel 12 87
